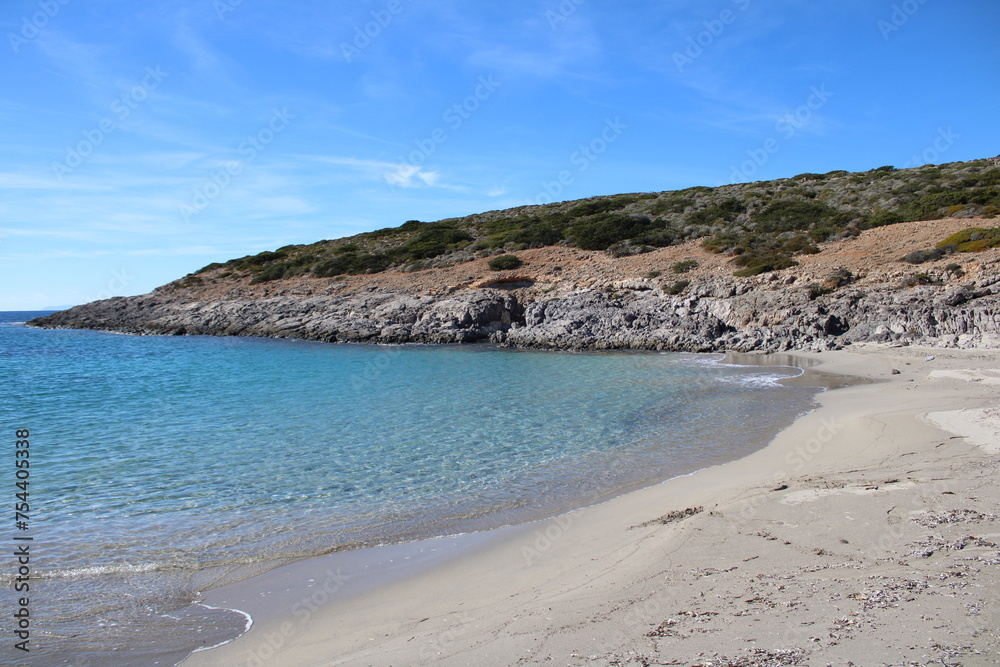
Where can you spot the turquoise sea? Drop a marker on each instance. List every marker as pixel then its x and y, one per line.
pixel 164 466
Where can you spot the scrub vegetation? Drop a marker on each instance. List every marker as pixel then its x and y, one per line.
pixel 763 226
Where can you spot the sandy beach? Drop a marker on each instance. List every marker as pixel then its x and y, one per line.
pixel 867 533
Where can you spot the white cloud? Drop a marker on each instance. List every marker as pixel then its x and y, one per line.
pixel 397 174
pixel 405 175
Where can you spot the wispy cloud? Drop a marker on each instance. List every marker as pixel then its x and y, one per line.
pixel 394 173
pixel 407 175
pixel 10 181
pixel 82 62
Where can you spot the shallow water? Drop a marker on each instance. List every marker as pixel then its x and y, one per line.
pixel 163 466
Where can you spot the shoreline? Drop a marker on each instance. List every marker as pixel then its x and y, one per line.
pixel 613 580
pixel 358 571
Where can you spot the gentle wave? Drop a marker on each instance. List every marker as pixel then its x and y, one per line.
pixel 762 380
pixel 246 627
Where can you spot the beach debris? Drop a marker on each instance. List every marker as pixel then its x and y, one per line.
pixel 895 371
pixel 668 628
pixel 672 517
pixel 892 591
pixel 930 358
pixel 930 545
pixel 780 488
pixel 759 657
pixel 710 571
pixel 935 519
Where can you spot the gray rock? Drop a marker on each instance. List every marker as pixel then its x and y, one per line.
pixel 713 314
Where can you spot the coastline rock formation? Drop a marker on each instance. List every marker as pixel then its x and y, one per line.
pixel 854 290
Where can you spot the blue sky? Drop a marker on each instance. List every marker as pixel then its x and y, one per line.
pixel 141 141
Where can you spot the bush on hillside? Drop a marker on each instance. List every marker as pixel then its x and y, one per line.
pixel 505 262
pixel 677 287
pixel 972 239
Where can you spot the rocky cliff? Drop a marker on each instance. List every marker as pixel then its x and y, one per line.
pixel 852 291
pixel 712 315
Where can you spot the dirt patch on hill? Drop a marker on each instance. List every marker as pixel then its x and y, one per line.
pixel 874 257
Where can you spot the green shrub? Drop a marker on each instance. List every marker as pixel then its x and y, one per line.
pixel 658 238
pixel 755 263
pixel 798 244
pixel 628 248
pixel 725 242
pixel 435 238
pixel 607 204
pixel 921 256
pixel 254 261
pixel 531 231
pixel 725 211
pixel 352 263
pixel 972 239
pixel 684 266
pixel 788 215
pixel 821 234
pixel 919 279
pixel 881 217
pixel 653 274
pixel 505 262
pixel 839 278
pixel 815 290
pixel 600 232
pixel 672 204
pixel 274 272
pixel 677 287
pixel 210 267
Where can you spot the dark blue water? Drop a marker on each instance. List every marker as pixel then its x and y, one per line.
pixel 166 465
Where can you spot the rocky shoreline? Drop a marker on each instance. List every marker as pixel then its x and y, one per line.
pixel 712 314
pixel 852 291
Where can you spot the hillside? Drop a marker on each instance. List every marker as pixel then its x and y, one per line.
pixel 813 262
pixel 763 226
